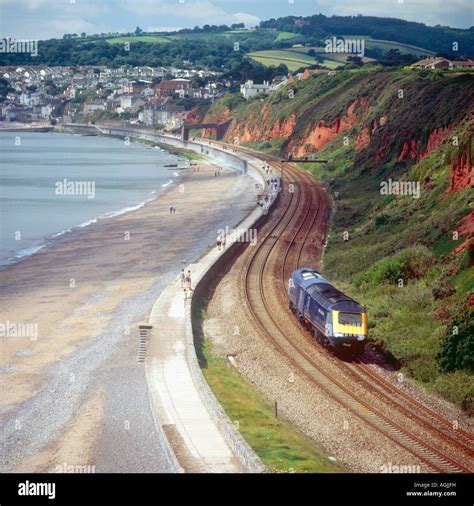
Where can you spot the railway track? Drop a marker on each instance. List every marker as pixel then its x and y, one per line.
pixel 285 246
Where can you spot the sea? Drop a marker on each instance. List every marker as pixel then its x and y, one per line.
pixel 52 184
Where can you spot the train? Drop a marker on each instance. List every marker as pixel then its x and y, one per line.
pixel 336 320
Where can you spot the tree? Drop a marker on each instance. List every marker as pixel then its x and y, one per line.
pixel 355 60
pixel 83 34
pixel 458 344
pixel 138 30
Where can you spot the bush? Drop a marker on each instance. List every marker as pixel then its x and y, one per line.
pixel 381 219
pixel 232 100
pixel 458 344
pixel 410 263
pixel 264 145
pixel 443 288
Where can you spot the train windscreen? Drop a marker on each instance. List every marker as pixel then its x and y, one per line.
pixel 350 318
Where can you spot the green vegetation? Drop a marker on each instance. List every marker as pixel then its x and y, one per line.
pixel 213 46
pixel 185 153
pixel 280 447
pixel 139 38
pixel 293 59
pixel 400 256
pixel 438 38
pixel 282 36
pixel 320 55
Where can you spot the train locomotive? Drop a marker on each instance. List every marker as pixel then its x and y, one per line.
pixel 336 320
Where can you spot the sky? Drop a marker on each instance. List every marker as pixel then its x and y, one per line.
pixel 44 19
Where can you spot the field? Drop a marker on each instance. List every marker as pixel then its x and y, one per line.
pixel 199 36
pixel 297 57
pixel 336 57
pixel 292 58
pixel 285 36
pixel 386 45
pixel 162 39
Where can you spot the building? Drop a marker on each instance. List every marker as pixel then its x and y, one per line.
pixel 249 89
pixel 93 105
pixel 133 87
pixel 168 115
pixel 463 64
pixel 433 62
pixel 131 102
pixel 167 88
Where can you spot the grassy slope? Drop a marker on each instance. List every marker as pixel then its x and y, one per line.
pixel 409 321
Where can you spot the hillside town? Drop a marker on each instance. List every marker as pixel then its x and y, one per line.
pixel 158 97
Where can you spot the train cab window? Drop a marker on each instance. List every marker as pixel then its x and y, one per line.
pixel 350 319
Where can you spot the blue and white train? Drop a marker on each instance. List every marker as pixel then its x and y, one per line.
pixel 336 320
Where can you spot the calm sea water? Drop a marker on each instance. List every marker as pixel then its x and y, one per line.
pixel 104 177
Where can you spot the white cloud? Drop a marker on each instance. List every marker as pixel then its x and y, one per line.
pixel 432 12
pixel 248 19
pixel 162 29
pixel 61 26
pixel 200 11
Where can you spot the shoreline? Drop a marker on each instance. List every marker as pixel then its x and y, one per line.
pixel 86 350
pixel 61 236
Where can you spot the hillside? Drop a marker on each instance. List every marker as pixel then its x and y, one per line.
pixel 407 257
pixel 214 46
pixel 436 38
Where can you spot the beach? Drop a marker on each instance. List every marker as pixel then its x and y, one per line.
pixel 73 391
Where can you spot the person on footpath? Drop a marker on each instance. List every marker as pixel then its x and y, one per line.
pixel 188 280
pixel 182 277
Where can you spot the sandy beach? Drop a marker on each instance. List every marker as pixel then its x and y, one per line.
pixel 75 394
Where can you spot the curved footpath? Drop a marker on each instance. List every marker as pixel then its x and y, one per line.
pixel 202 437
pixel 198 433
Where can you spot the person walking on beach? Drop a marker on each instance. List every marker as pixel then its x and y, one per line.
pixel 171 209
pixel 182 277
pixel 219 241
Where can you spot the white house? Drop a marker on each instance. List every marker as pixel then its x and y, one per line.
pixel 250 89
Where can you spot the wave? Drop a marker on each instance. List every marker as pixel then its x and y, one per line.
pixel 27 252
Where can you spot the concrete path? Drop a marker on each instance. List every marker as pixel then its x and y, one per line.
pixel 194 438
pixel 179 402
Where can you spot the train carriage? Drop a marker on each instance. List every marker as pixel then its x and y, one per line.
pixel 335 319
